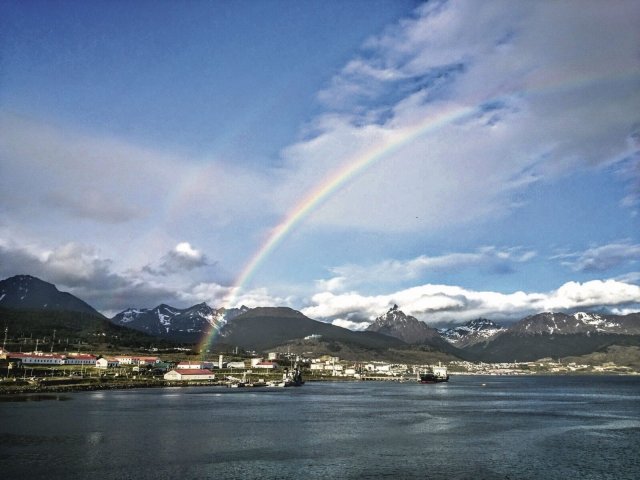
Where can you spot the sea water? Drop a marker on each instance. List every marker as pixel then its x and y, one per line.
pixel 556 427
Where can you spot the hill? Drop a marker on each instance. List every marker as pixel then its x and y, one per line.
pixel 266 327
pixel 25 292
pixel 66 330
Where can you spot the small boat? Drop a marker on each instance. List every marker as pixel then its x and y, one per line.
pixel 434 375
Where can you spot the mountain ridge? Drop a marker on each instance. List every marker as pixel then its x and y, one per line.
pixel 179 324
pixel 544 334
pixel 25 292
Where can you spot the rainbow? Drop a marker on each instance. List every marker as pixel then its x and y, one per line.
pixel 390 144
pixel 332 183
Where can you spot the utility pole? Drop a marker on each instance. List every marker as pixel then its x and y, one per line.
pixel 4 343
pixel 53 340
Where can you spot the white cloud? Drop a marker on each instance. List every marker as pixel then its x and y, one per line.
pixel 356 326
pixel 503 96
pixel 391 271
pixel 182 258
pixel 602 258
pixel 49 170
pixel 436 304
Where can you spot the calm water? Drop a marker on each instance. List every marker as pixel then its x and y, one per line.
pixel 472 428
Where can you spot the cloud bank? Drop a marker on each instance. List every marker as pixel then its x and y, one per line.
pixel 506 96
pixel 445 304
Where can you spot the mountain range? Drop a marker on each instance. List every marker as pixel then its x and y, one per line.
pixel 184 325
pixel 542 335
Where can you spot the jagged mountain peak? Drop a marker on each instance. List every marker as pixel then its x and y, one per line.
pixel 407 328
pixel 184 324
pixel 474 331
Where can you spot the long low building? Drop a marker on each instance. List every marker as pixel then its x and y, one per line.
pixel 37 358
pixel 189 374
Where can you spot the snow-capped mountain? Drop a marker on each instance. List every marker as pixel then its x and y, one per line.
pixel 557 335
pixel 395 323
pixel 25 292
pixel 474 331
pixel 550 323
pixel 187 324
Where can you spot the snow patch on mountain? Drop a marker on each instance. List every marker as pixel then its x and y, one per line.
pixel 165 320
pixel 474 331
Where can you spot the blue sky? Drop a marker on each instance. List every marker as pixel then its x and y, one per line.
pixel 148 150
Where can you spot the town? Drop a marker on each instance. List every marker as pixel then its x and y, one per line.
pixel 41 371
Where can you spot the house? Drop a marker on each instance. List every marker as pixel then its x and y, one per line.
pixel 107 363
pixel 189 374
pixel 146 360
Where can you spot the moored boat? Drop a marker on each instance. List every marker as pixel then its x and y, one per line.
pixel 434 375
pixel 290 378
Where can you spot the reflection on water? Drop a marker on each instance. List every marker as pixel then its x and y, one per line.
pixel 473 427
pixel 33 397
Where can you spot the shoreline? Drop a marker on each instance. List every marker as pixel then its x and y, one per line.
pixel 10 389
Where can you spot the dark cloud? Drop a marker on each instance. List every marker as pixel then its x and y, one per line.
pixel 76 269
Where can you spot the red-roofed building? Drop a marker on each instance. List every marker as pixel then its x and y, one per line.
pixel 37 358
pixel 187 374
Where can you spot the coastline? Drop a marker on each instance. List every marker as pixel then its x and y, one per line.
pixel 25 388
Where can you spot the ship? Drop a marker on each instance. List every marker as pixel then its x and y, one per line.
pixel 434 375
pixel 290 378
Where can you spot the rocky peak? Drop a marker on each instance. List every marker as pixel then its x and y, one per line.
pixel 396 323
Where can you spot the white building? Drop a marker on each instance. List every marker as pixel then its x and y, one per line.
pixel 193 365
pixel 80 359
pixel 125 360
pixel 236 365
pixel 38 358
pixel 107 363
pixel 189 374
pixel 266 365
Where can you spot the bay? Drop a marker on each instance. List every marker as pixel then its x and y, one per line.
pixel 547 427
